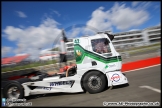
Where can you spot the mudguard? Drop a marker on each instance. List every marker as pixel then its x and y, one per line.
pixel 116 78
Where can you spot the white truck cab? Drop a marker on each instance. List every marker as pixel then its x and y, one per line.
pixel 98 62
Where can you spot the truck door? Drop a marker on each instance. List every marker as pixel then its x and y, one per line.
pixel 103 55
pixel 81 48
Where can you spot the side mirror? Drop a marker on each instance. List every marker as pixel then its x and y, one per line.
pixel 111 37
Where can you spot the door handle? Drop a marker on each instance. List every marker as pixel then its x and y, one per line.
pixel 94 63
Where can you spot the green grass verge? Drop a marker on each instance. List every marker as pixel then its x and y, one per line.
pixel 144 50
pixel 142 47
pixel 27 66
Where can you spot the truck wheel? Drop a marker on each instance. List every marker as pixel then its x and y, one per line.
pixel 94 82
pixel 13 91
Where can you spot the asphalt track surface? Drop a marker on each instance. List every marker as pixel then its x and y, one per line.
pixel 132 93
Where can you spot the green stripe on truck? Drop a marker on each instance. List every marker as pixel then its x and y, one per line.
pixel 79 59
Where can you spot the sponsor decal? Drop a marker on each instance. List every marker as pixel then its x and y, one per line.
pixel 45 88
pixel 76 41
pixel 112 65
pixel 115 77
pixel 106 67
pixel 78 53
pixel 62 83
pixel 109 66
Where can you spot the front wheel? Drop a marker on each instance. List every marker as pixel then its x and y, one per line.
pixel 13 91
pixel 94 82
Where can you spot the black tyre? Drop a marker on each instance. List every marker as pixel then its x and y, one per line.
pixel 94 82
pixel 13 91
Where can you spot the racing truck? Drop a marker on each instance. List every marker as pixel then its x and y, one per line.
pixel 94 71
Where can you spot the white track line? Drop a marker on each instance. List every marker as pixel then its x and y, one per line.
pixel 151 88
pixel 141 68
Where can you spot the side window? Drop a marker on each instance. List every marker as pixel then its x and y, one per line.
pixel 101 46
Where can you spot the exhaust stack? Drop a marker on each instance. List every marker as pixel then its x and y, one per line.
pixel 63 50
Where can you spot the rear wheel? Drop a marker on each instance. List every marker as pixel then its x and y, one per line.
pixel 13 91
pixel 94 82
